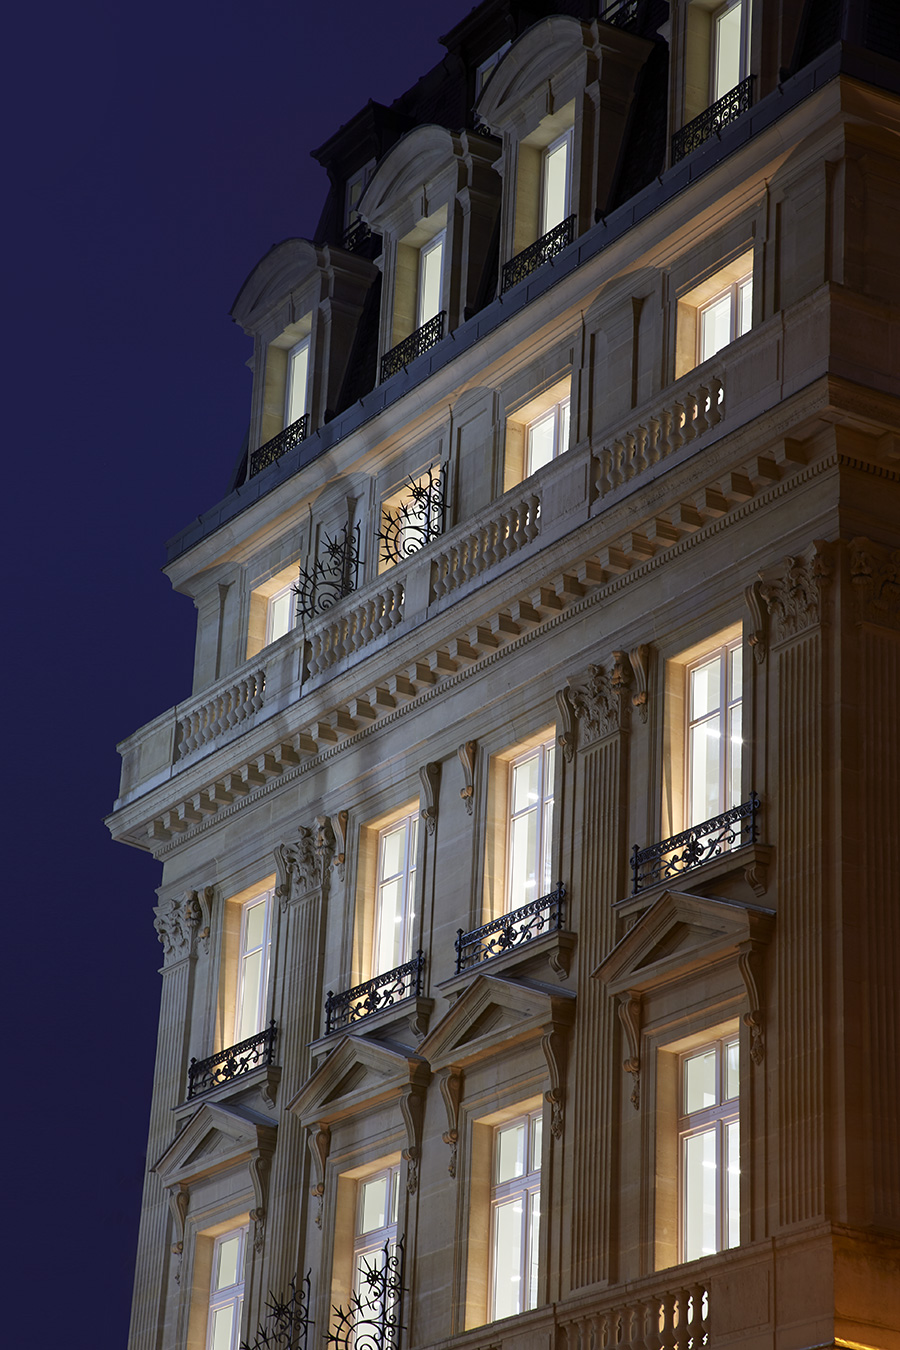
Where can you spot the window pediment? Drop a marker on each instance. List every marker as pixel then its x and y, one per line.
pixel 289 267
pixel 538 69
pixel 408 181
pixel 494 1014
pixel 358 1075
pixel 215 1138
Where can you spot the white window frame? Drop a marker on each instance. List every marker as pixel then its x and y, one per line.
pixel 244 953
pixel 719 1118
pixel 736 327
pixel 231 1295
pixel 730 655
pixel 407 877
pixel 545 751
pixel 291 415
pixel 560 417
pixel 567 139
pixel 368 1247
pixel 485 70
pixel 271 635
pixel 438 241
pixel 744 65
pixel 526 1188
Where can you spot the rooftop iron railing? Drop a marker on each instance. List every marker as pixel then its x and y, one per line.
pixel 279 445
pixel 515 929
pixel 692 848
pixel 713 119
pixel 399 357
pixel 253 1053
pixel 538 253
pixel 382 991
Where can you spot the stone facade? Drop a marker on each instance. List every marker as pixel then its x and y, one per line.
pixel 740 507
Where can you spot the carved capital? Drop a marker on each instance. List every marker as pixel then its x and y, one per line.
pixel 178 923
pixel 875 574
pixel 466 755
pixel 598 701
pixel 451 1091
pixel 303 866
pixel 430 778
pixel 629 1010
pixel 795 591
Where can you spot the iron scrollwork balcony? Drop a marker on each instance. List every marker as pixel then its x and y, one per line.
pixel 287 1321
pixel 383 991
pixel 399 357
pixel 718 115
pixel 538 253
pixel 510 930
pixel 418 519
pixel 373 1318
pixel 622 14
pixel 333 575
pixel 279 445
pixel 253 1053
pixel 700 844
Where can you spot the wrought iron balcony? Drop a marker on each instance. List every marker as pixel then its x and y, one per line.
pixel 286 1323
pixel 418 519
pixel 394 986
pixel 373 1317
pixel 724 111
pixel 333 575
pixel 700 844
pixel 399 357
pixel 356 236
pixel 279 445
pixel 623 14
pixel 538 253
pixel 510 930
pixel 253 1053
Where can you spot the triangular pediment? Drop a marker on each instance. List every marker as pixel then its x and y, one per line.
pixel 493 1014
pixel 357 1075
pixel 680 933
pixel 215 1137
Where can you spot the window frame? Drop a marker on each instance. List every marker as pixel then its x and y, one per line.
pixel 304 346
pixel 714 42
pixel 408 875
pixel 561 415
pixel 266 898
pixel 271 635
pixel 730 654
pixel 230 1295
pixel 736 328
pixel 543 847
pixel 437 242
pixel 567 139
pixel 527 1187
pixel 719 1116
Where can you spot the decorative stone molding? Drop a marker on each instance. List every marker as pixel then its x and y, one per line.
pixel 258 1166
pixel 303 867
pixel 466 754
pixel 597 701
pixel 451 1083
pixel 875 574
pixel 554 1044
pixel 339 827
pixel 178 925
pixel 412 1109
pixel 629 1010
pixel 750 959
pixel 567 738
pixel 795 591
pixel 759 621
pixel 640 665
pixel 319 1141
pixel 430 777
pixel 179 1197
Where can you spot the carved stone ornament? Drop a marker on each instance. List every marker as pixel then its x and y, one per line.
pixel 412 1109
pixel 430 777
pixel 639 658
pixel 750 965
pixel 451 1091
pixel 794 592
pixel 759 622
pixel 339 828
pixel 598 701
pixel 319 1141
pixel 875 574
pixel 630 1017
pixel 178 923
pixel 259 1175
pixel 567 738
pixel 466 754
pixel 554 1045
pixel 303 866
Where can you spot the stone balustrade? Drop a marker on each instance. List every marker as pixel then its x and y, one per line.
pixel 355 626
pixel 478 549
pixel 675 1319
pixel 692 411
pixel 228 708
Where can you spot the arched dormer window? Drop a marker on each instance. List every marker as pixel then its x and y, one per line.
pixel 434 201
pixel 559 100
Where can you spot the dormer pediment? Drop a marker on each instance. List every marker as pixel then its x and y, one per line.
pixel 681 933
pixel 358 1075
pixel 216 1137
pixel 537 66
pixel 292 266
pixel 419 174
pixel 494 1014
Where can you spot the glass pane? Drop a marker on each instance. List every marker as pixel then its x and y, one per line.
pixel 728 51
pixel 705 688
pixel 281 613
pixel 549 769
pixel 699 1197
pixel 715 326
pixel 256 926
pixel 564 420
pixel 393 845
pixel 395 1193
pixel 526 781
pixel 227 1268
pixel 367 1292
pixel 222 1324
pixel 430 281
pixel 733 1185
pixel 735 745
pixel 745 306
pixel 732 1070
pixel 699 1082
pixel 546 850
pixel 534 1243
pixel 704 760
pixel 299 371
pixel 523 860
pixel 373 1207
pixel 507 1254
pixel 541 442
pixel 537 1135
pixel 510 1161
pixel 735 673
pixel 556 205
pixel 390 925
pixel 413 840
pixel 248 1022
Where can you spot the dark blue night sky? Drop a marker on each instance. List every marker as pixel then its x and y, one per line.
pixel 154 154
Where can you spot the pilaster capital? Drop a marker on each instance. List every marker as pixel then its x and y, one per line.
pixel 598 700
pixel 875 574
pixel 795 591
pixel 182 925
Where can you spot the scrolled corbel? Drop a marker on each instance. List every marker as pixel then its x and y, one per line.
pixel 319 1141
pixel 639 660
pixel 430 778
pixel 567 738
pixel 749 965
pixel 554 1045
pixel 412 1109
pixel 339 826
pixel 759 621
pixel 629 1010
pixel 451 1092
pixel 466 753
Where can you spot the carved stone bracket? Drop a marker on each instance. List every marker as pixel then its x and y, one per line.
pixel 339 827
pixel 179 924
pixel 451 1090
pixel 630 1017
pixel 875 574
pixel 639 659
pixel 303 867
pixel 259 1175
pixel 319 1141
pixel 554 1044
pixel 795 591
pixel 412 1108
pixel 568 737
pixel 430 777
pixel 598 701
pixel 466 754
pixel 750 965
pixel 179 1198
pixel 759 621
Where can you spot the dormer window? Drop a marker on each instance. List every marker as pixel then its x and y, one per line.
pixel 297 382
pixel 484 72
pixel 556 175
pixel 431 276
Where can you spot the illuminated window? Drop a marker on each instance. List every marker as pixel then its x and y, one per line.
pixel 297 382
pixel 395 899
pixel 226 1296
pixel 709 1149
pixel 377 1204
pixel 725 317
pixel 253 966
pixel 714 742
pixel 556 174
pixel 537 432
pixel 530 830
pixel 547 436
pixel 515 1216
pixel 730 46
pixel 281 614
pixel 411 517
pixel 431 272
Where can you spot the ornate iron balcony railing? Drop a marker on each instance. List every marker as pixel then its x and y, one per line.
pixel 538 253
pixel 622 14
pixel 253 1053
pixel 333 575
pixel 399 357
pixel 356 236
pixel 510 930
pixel 279 445
pixel 287 1320
pixel 383 991
pixel 725 110
pixel 418 520
pixel 682 852
pixel 373 1318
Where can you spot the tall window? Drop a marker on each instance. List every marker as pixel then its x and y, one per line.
pixel 395 898
pixel 515 1216
pixel 714 733
pixel 431 271
pixel 226 1295
pixel 281 613
pixel 728 315
pixel 730 47
pixel 547 436
pixel 530 830
pixel 556 171
pixel 709 1149
pixel 253 969
pixel 297 382
pixel 377 1201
